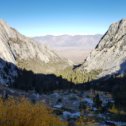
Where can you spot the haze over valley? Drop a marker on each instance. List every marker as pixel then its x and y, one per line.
pixel 75 48
pixel 62 63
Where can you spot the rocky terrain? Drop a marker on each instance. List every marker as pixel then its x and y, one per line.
pixel 75 48
pixel 25 53
pixel 70 105
pixel 27 69
pixel 109 55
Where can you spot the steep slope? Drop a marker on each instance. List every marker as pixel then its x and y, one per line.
pixel 110 54
pixel 24 52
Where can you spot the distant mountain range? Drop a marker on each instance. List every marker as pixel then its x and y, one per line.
pixel 75 48
pixel 83 41
pixel 30 65
pixel 108 55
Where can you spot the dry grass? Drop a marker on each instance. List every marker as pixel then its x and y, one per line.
pixel 23 113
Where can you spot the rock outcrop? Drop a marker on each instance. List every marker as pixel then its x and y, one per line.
pixel 24 52
pixel 110 54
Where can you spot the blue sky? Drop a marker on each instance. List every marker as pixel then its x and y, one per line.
pixel 56 17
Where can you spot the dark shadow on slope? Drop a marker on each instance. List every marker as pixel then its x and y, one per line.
pixel 76 66
pixel 40 82
pixel 114 83
pixel 101 39
pixel 27 80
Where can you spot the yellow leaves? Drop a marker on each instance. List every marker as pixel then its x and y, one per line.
pixel 21 112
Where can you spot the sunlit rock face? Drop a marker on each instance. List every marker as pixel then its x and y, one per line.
pixel 24 52
pixel 110 54
pixel 16 46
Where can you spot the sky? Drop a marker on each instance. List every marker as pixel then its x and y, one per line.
pixel 57 17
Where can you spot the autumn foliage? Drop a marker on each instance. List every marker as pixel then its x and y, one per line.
pixel 22 112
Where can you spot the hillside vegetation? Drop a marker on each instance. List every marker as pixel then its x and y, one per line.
pixel 22 112
pixel 77 76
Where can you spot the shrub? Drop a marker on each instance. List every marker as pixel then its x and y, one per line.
pixel 77 76
pixel 23 113
pixel 83 121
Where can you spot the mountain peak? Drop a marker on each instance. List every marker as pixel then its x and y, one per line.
pixel 25 52
pixel 2 21
pixel 4 24
pixel 109 54
pixel 115 32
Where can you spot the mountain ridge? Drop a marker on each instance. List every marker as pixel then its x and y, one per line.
pixel 109 53
pixel 26 53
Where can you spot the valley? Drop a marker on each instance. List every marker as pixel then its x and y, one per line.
pixel 91 93
pixel 73 47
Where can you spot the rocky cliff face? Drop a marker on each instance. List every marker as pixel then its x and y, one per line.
pixel 24 52
pixel 110 54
